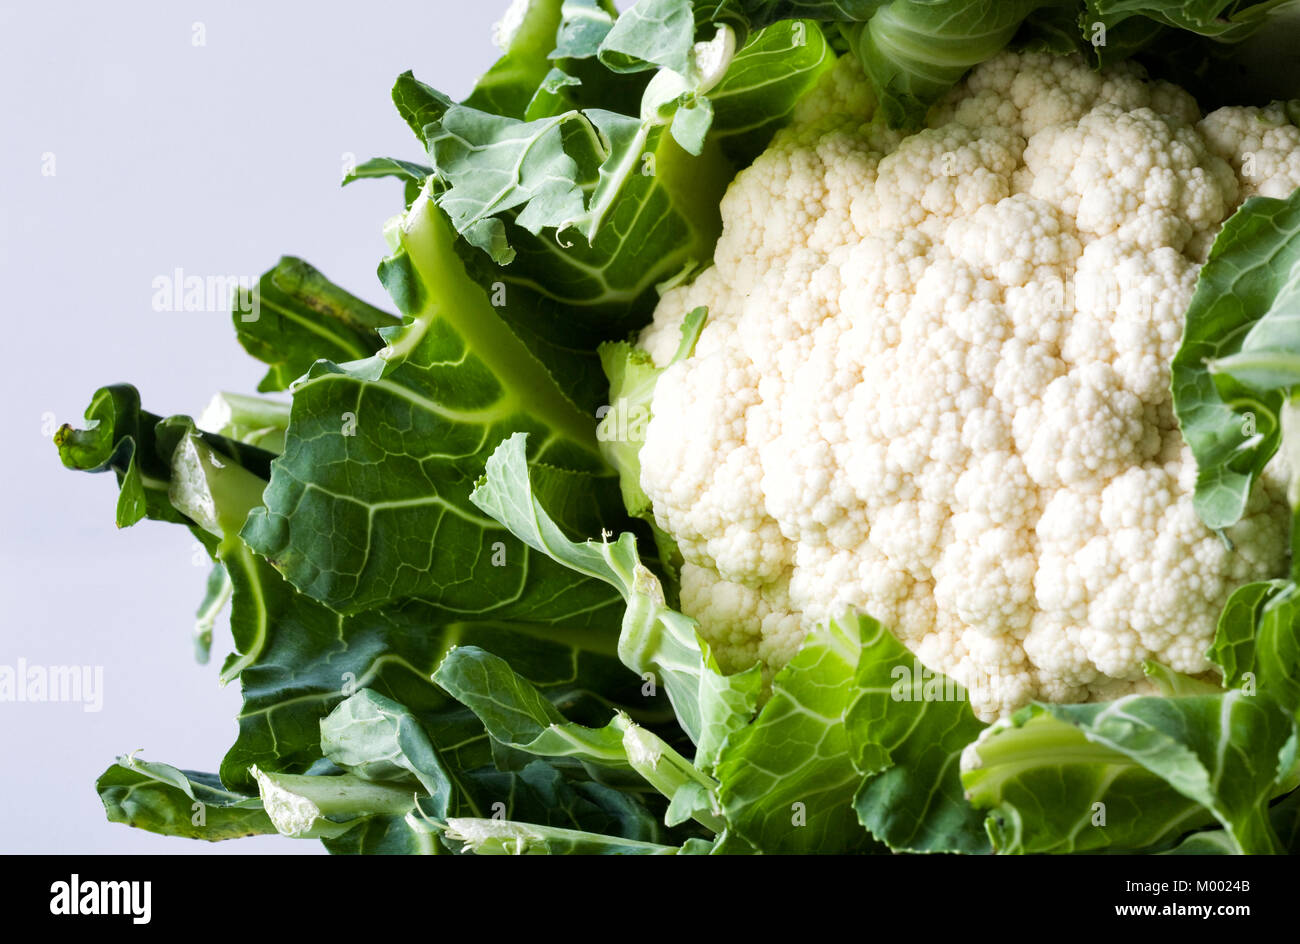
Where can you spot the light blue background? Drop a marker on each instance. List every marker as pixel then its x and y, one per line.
pixel 215 159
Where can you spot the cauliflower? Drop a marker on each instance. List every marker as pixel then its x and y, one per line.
pixel 934 383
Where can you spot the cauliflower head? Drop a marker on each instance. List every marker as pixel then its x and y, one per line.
pixel 934 383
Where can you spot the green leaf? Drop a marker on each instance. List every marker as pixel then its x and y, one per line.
pixel 766 79
pixel 908 727
pixel 494 163
pixel 1224 20
pixel 541 793
pixel 651 211
pixel 508 87
pixel 368 505
pixel 257 421
pixel 1055 29
pixel 915 52
pixel 1234 638
pixel 590 169
pixel 690 124
pixel 623 206
pixel 1045 772
pixel 504 837
pixel 554 96
pixel 1263 368
pixel 693 793
pixel 584 25
pixel 1175 684
pixel 120 436
pixel 632 379
pixel 418 104
pixel 690 800
pixel 296 317
pixel 658 217
pixel 517 715
pixel 1241 321
pixel 1257 643
pixel 215 597
pixel 1205 842
pixel 388 167
pixel 378 739
pixel 297 660
pixel 171 471
pixel 538 795
pixel 316 807
pixel 205 485
pixel 656 642
pixel 621 432
pixel 1049 789
pixel 385 834
pixel 161 799
pixel 577 80
pixel 1284 815
pixel 788 780
pixel 167 470
pixel 652 33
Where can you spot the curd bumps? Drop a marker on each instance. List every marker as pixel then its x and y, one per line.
pixel 934 383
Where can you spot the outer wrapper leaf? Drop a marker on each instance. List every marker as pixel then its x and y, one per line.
pixel 1284 815
pixel 1258 642
pixel 161 799
pixel 915 52
pixel 656 641
pixel 788 780
pixel 378 739
pixel 517 715
pixel 1158 766
pixel 504 837
pixel 327 806
pixel 908 727
pixel 299 660
pixel 419 419
pixel 139 448
pixel 295 316
pixel 766 79
pixel 508 87
pixel 653 33
pixel 584 26
pixel 1222 19
pixel 1242 316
